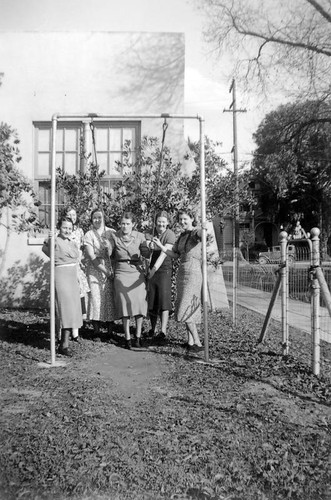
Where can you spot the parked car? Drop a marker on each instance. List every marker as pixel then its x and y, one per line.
pixel 272 256
pixel 298 250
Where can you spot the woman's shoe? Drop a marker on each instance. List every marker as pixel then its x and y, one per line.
pixel 128 344
pixel 137 343
pixel 196 348
pixel 64 351
pixel 160 339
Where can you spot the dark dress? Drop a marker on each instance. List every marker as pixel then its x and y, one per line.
pixel 189 277
pixel 130 294
pixel 159 286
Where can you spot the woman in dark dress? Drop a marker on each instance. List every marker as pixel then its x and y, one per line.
pixel 159 285
pixel 189 278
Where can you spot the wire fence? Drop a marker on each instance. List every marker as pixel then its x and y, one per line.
pixel 255 284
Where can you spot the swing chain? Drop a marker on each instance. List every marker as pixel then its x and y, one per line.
pixel 164 130
pixel 92 128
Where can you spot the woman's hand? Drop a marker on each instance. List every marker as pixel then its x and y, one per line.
pixel 150 244
pixel 109 274
pixel 158 243
pixel 151 273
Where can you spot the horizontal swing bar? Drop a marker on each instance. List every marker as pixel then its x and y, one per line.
pixel 95 116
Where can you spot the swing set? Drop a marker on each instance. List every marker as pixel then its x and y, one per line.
pixel 95 118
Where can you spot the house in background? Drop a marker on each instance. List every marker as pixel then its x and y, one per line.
pixel 104 73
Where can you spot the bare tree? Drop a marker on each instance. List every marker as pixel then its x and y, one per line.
pixel 281 45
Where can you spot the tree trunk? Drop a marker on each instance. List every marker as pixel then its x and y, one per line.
pixel 5 250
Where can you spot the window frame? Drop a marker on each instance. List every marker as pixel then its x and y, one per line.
pixel 108 180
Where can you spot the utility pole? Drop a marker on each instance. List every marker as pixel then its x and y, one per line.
pixel 233 109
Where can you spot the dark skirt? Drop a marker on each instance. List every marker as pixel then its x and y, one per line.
pixel 159 292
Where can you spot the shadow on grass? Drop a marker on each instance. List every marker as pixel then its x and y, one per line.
pixel 32 334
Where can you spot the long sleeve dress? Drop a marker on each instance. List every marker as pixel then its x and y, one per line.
pixel 67 294
pixel 130 292
pixel 101 298
pixel 189 277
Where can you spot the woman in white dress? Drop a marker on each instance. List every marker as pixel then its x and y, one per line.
pixel 99 273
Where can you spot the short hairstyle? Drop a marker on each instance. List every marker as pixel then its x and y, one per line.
pixel 188 212
pixel 68 209
pixel 95 211
pixel 129 215
pixel 162 213
pixel 64 219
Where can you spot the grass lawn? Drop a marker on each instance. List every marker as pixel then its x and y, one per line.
pixel 159 424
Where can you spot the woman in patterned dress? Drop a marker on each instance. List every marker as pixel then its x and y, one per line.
pixel 99 273
pixel 68 307
pixel 189 278
pixel 127 248
pixel 77 236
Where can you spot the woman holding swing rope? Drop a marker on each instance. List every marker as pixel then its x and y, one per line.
pixel 189 278
pixel 159 285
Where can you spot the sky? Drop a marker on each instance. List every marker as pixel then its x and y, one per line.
pixel 206 90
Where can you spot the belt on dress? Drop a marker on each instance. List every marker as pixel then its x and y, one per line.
pixel 128 261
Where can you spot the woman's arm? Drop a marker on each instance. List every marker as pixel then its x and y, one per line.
pixel 46 245
pixel 166 250
pixel 46 248
pixel 159 261
pixel 96 261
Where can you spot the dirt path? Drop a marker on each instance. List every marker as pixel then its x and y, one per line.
pixel 132 373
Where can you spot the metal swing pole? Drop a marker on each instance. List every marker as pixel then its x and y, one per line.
pixel 204 239
pixel 52 242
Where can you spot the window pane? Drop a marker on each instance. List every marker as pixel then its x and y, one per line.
pixel 105 186
pixel 71 140
pixel 43 164
pixel 101 139
pixel 59 160
pixel 103 161
pixel 128 135
pixel 70 163
pixel 115 142
pixel 114 169
pixel 59 140
pixel 44 141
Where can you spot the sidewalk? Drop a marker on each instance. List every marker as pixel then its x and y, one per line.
pixel 298 312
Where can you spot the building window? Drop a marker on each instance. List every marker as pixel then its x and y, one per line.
pixel 110 140
pixel 73 138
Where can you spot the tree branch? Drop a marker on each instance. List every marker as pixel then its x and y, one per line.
pixel 320 9
pixel 280 41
